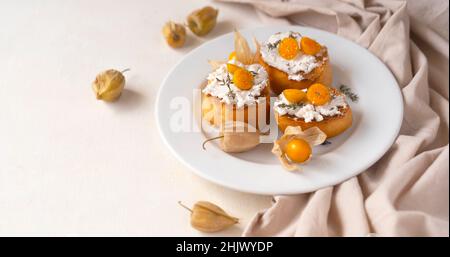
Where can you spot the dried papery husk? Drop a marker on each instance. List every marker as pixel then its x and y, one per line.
pixel 238 142
pixel 314 136
pixel 209 218
pixel 243 52
pixel 218 115
pixel 215 64
pixel 237 137
pixel 257 54
pixel 241 137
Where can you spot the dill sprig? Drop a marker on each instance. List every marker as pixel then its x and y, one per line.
pixel 348 92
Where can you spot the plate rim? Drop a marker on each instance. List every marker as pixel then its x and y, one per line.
pixel 268 192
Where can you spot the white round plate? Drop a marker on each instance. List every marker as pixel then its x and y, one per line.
pixel 377 119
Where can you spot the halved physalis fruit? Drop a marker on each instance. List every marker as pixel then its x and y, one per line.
pixel 232 56
pixel 288 48
pixel 243 79
pixel 318 94
pixel 294 96
pixel 310 46
pixel 298 150
pixel 232 68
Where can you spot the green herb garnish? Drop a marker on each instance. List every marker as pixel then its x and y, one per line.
pixel 272 46
pixel 348 92
pixel 291 106
pixel 226 82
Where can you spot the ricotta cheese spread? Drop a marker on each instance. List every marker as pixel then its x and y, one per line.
pixel 220 84
pixel 302 64
pixel 309 112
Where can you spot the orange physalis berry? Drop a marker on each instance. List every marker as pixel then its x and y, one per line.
pixel 294 96
pixel 232 67
pixel 243 79
pixel 232 56
pixel 288 48
pixel 298 150
pixel 318 94
pixel 310 46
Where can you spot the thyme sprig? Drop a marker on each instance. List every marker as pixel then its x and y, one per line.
pixel 274 45
pixel 291 106
pixel 348 92
pixel 226 82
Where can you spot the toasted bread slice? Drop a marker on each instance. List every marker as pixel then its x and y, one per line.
pixel 217 113
pixel 330 125
pixel 279 80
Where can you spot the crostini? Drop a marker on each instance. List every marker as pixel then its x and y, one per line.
pixel 318 106
pixel 237 90
pixel 294 61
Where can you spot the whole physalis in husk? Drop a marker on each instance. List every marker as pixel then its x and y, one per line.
pixel 108 85
pixel 209 218
pixel 288 48
pixel 174 34
pixel 202 21
pixel 237 137
pixel 295 146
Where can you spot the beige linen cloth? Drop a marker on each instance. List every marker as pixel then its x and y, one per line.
pixel 406 193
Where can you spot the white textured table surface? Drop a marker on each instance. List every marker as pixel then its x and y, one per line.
pixel 70 165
